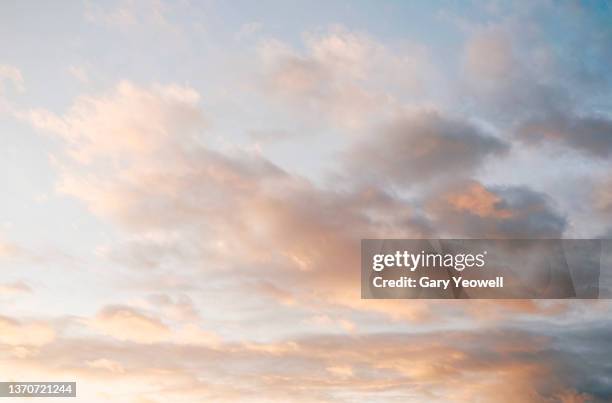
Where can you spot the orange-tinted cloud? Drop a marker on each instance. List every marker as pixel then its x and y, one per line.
pixel 468 208
pixel 14 332
pixel 492 365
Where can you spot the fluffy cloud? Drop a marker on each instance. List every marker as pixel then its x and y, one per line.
pixel 129 121
pixel 183 202
pixel 345 76
pixel 237 214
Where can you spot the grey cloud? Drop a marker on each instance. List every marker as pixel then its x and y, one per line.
pixel 579 351
pixel 419 147
pixel 474 210
pixel 521 78
pixel 590 134
pixel 537 216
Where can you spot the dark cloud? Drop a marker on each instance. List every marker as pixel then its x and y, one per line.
pixel 579 349
pixel 421 146
pixel 589 134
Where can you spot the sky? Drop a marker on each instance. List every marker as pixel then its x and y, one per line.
pixel 185 185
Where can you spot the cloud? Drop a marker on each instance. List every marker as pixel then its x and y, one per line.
pixel 326 322
pixel 107 365
pixel 509 69
pixel 499 365
pixel 273 257
pixel 341 371
pixel 477 200
pixel 192 334
pixel 135 325
pixel 192 213
pixel 589 134
pixel 18 287
pixel 25 333
pixel 11 74
pixel 489 55
pixel 79 73
pixel 126 323
pixel 422 146
pixel 127 15
pixel 603 196
pixel 184 205
pixel 249 30
pixel 127 122
pixel 544 93
pixel 345 76
pixel 470 209
pixel 181 308
pixel 8 249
